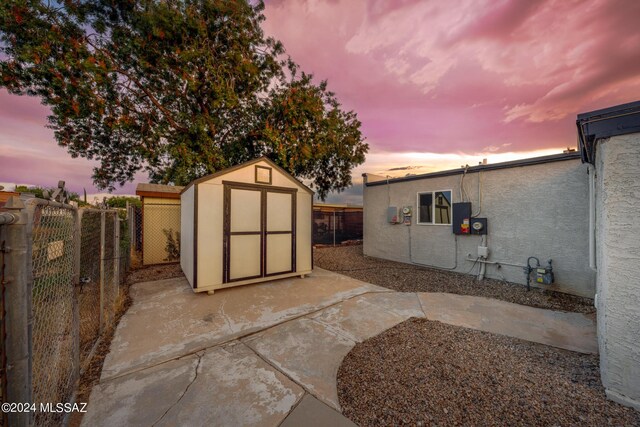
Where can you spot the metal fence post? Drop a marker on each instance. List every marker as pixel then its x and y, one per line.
pixel 102 267
pixel 334 227
pixel 131 218
pixel 116 253
pixel 18 294
pixel 77 242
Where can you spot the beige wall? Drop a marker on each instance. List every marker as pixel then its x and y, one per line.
pixel 158 215
pixel 210 223
pixel 186 233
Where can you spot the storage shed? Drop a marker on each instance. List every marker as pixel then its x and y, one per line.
pixel 245 224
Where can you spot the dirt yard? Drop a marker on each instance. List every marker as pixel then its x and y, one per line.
pixel 154 272
pixel 401 277
pixel 428 373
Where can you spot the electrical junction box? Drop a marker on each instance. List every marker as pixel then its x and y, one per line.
pixel 478 226
pixel 460 218
pixel 483 251
pixel 392 215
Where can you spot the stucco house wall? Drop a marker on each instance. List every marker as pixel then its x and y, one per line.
pixel 536 210
pixel 618 264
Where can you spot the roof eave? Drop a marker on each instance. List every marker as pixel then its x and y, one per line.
pixel 241 165
pixel 482 168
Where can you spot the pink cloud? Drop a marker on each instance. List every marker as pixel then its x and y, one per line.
pixel 447 77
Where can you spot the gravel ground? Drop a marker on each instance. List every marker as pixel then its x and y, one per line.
pixel 428 373
pixel 409 278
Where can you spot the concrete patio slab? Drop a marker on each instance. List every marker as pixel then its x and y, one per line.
pixel 358 319
pixel 308 352
pixel 167 320
pixel 234 387
pixel 247 355
pixel 405 304
pixel 571 331
pixel 141 398
pixel 226 385
pixel 310 412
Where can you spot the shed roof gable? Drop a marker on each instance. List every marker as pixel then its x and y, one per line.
pixel 246 164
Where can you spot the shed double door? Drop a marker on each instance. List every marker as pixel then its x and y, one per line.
pixel 259 231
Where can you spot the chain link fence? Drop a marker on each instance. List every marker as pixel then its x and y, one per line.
pixel 159 233
pixel 332 226
pixel 63 268
pixel 53 306
pixel 134 216
pixel 3 329
pixel 89 286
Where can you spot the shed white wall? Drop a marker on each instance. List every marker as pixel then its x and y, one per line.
pixel 210 196
pixel 303 231
pixel 210 233
pixel 537 210
pixel 186 233
pixel 618 263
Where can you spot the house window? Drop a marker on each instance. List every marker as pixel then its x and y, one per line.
pixel 434 207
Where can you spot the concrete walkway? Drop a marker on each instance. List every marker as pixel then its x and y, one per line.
pixel 268 354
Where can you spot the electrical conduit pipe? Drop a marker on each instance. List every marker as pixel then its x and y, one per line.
pixel 483 265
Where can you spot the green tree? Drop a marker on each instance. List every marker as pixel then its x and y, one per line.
pixel 36 191
pixel 180 89
pixel 121 201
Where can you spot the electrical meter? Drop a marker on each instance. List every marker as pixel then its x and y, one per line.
pixel 406 214
pixel 478 225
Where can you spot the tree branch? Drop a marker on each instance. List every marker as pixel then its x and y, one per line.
pixel 140 86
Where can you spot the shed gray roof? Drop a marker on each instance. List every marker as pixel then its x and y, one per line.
pixel 158 188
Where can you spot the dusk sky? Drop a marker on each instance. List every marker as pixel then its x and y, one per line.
pixel 435 84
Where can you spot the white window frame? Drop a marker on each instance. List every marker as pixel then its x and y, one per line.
pixel 433 207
